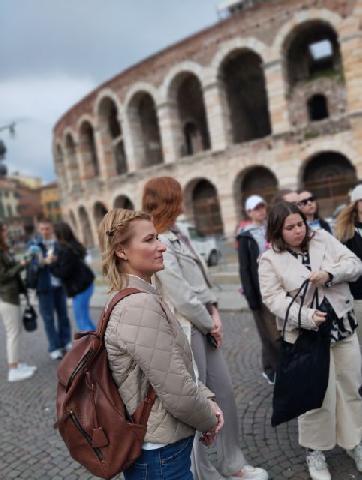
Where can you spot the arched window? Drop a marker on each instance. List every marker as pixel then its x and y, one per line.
pixel 112 137
pixel 206 208
pixel 122 201
pixel 243 81
pixel 330 176
pixel 312 51
pixel 145 130
pixel 85 227
pixel 318 108
pixel 88 150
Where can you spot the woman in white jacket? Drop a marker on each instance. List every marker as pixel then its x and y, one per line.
pixel 298 254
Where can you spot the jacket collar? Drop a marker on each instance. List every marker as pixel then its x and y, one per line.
pixel 316 255
pixel 137 282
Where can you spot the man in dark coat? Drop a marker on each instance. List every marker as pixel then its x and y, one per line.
pixel 252 243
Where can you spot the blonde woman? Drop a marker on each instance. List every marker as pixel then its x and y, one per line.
pixel 187 290
pixel 348 230
pixel 146 345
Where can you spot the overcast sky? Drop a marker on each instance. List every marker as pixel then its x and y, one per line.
pixel 53 52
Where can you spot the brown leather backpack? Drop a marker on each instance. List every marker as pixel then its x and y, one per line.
pixel 91 416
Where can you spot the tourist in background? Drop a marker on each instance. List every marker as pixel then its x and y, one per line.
pixel 146 346
pixel 185 286
pixel 307 203
pixel 348 229
pixel 298 254
pixel 11 287
pixel 77 278
pixel 50 292
pixel 251 244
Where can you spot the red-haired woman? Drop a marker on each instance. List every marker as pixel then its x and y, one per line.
pixel 11 286
pixel 186 288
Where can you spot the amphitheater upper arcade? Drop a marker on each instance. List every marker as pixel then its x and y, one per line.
pixel 245 106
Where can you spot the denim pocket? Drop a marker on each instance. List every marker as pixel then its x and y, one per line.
pixel 178 450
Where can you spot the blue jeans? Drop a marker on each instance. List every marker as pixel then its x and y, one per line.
pixel 172 462
pixel 49 303
pixel 81 309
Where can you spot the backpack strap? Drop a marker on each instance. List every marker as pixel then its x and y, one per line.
pixel 143 410
pixel 102 324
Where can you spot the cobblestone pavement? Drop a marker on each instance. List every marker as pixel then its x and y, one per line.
pixel 31 450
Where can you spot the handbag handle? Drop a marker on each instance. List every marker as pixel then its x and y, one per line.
pixel 303 288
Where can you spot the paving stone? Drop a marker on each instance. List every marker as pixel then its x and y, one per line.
pixel 30 449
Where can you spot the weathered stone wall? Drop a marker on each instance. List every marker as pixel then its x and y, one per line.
pixel 264 30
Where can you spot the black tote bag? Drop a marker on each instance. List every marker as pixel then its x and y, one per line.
pixel 302 374
pixel 29 316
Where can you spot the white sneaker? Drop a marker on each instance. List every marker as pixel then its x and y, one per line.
pixel 269 377
pixel 356 454
pixel 251 473
pixel 20 373
pixel 25 365
pixel 56 354
pixel 317 466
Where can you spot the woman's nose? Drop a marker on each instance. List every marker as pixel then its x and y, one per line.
pixel 161 246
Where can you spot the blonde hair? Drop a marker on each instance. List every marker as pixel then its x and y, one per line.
pixel 114 232
pixel 345 223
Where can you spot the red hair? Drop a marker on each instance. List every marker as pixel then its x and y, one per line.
pixel 162 198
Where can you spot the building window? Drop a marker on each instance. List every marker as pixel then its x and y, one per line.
pixel 318 108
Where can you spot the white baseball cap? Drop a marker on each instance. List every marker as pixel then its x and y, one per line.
pixel 253 201
pixel 356 193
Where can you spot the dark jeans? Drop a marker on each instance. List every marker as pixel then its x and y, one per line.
pixel 50 303
pixel 81 310
pixel 269 335
pixel 172 462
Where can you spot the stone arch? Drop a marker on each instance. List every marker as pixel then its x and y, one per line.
pixel 333 19
pixel 73 221
pixel 203 206
pixel 311 50
pixel 99 210
pixel 144 129
pixel 85 228
pixel 254 180
pixel 188 112
pixel 60 167
pixel 244 96
pixel 236 44
pixel 122 201
pixel 329 175
pixel 72 161
pixel 111 136
pixel 88 150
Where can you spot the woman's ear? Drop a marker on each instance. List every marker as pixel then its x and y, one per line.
pixel 122 255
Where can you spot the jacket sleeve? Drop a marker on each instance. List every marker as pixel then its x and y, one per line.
pixel 346 266
pixel 245 273
pixel 63 267
pixel 276 298
pixel 8 273
pixel 149 339
pixel 181 295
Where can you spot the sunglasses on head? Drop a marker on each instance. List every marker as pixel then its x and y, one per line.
pixel 306 201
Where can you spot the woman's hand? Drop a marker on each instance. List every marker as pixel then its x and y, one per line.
pixel 207 438
pixel 319 317
pixel 217 330
pixel 319 278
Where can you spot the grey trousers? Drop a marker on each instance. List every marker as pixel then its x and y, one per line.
pixel 224 457
pixel 269 335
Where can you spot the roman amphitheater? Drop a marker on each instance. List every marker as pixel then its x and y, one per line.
pixel 269 97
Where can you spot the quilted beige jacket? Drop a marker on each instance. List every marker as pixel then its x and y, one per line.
pixel 145 343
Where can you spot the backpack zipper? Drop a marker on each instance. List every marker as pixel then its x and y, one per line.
pixel 79 367
pixel 79 427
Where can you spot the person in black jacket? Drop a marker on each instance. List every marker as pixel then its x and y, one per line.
pixel 348 230
pixel 307 203
pixel 76 276
pixel 251 244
